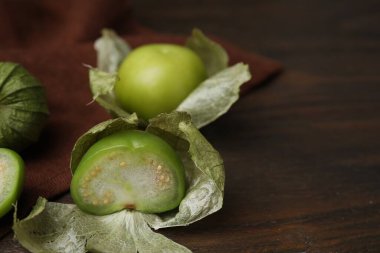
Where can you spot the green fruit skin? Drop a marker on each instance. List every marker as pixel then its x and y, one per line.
pixel 10 199
pixel 134 140
pixel 156 78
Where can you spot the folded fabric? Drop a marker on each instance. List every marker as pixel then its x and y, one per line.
pixel 52 39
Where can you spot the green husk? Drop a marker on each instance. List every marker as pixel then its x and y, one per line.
pixel 23 107
pixel 212 54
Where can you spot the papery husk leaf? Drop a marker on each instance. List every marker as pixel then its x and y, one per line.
pixel 111 50
pixel 212 54
pixel 224 87
pixel 102 85
pixel 63 228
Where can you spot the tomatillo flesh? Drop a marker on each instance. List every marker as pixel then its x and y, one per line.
pixel 130 169
pixel 156 78
pixel 11 179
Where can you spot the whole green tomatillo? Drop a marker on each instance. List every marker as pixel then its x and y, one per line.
pixel 130 169
pixel 156 78
pixel 23 107
pixel 11 179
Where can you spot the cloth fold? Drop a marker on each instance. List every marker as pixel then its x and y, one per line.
pixel 52 39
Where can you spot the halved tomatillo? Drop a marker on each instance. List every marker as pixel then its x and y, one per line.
pixel 129 169
pixel 11 179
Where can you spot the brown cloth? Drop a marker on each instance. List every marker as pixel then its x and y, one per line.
pixel 52 39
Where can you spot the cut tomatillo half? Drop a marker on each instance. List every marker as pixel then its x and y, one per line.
pixel 11 179
pixel 130 169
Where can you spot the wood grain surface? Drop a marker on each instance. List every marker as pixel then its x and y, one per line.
pixel 302 152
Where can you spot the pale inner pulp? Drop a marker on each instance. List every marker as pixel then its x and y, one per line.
pixel 7 176
pixel 132 179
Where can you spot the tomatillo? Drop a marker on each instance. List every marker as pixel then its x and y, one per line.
pixel 130 169
pixel 156 78
pixel 11 179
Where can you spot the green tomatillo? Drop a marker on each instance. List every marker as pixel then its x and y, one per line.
pixel 129 169
pixel 23 107
pixel 156 78
pixel 11 179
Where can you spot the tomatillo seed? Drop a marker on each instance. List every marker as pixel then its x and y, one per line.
pixel 11 179
pixel 129 169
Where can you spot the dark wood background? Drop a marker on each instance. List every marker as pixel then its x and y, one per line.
pixel 302 152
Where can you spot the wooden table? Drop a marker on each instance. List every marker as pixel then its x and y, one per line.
pixel 302 153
